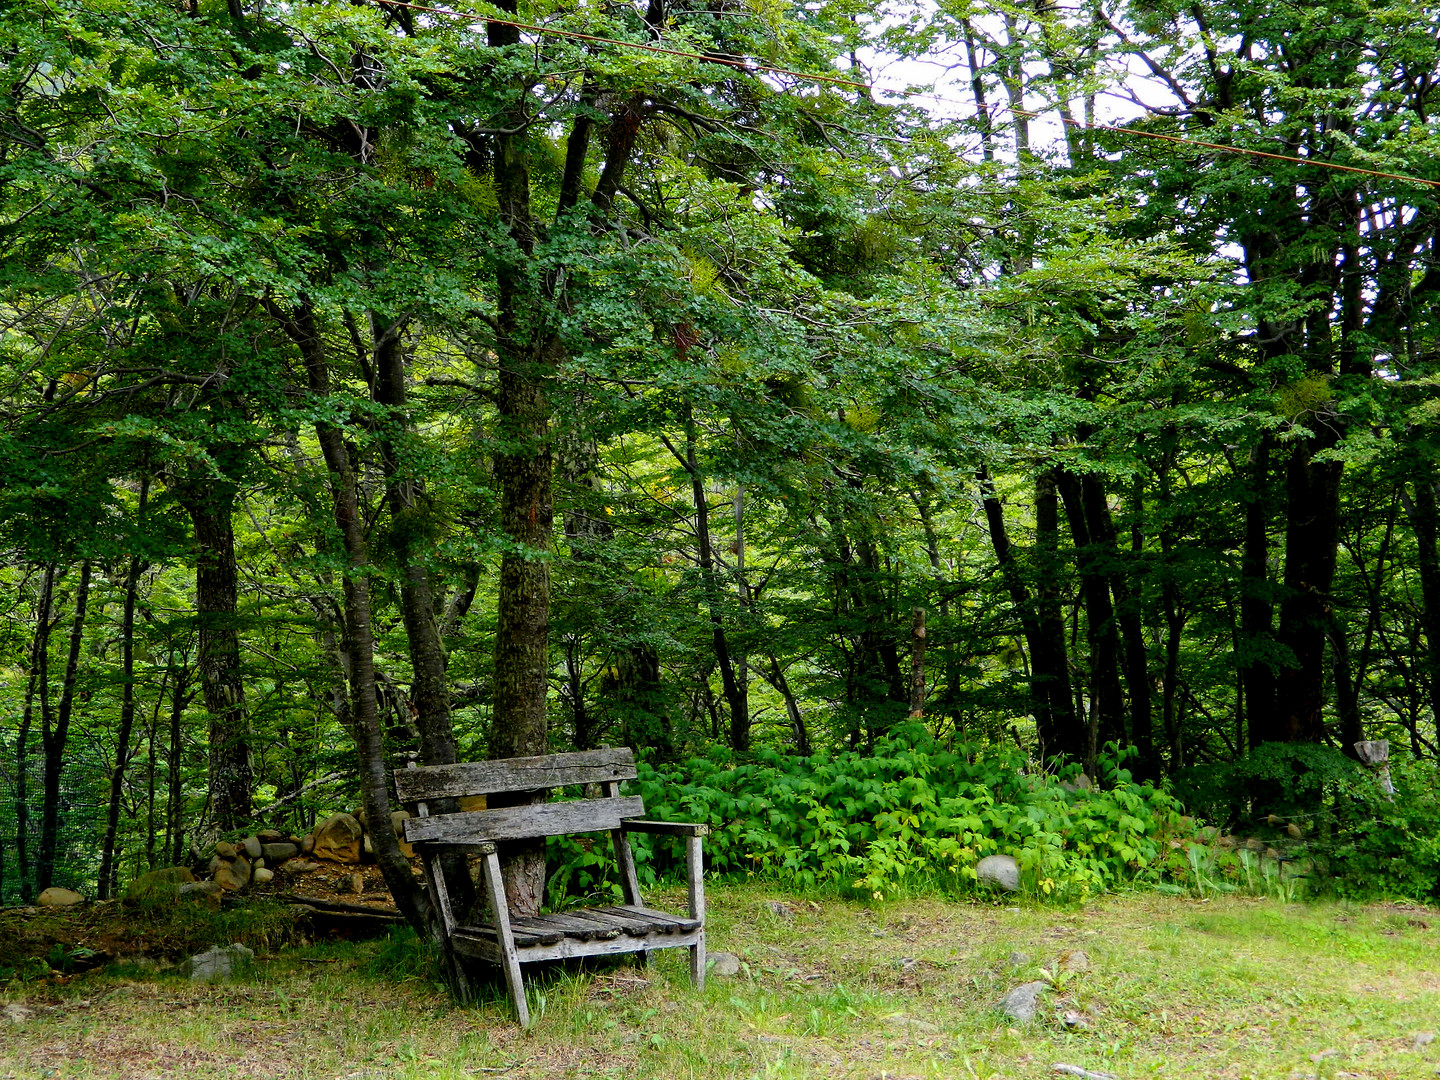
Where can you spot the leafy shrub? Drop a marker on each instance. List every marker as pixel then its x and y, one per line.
pixel 911 815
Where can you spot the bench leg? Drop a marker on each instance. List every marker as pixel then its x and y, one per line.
pixel 697 963
pixel 500 910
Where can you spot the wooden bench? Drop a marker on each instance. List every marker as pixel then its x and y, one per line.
pixel 509 941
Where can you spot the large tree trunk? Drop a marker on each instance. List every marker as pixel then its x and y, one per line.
pixel 1256 662
pixel 54 741
pixel 211 504
pixel 1107 709
pixel 1425 521
pixel 1312 540
pixel 1050 659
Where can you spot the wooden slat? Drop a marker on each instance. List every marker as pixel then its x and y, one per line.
pixel 660 918
pixel 668 828
pixel 487 932
pixel 538 928
pixel 575 924
pixel 520 822
pixel 514 774
pixel 631 927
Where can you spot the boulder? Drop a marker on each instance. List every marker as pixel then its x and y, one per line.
pixel 159 883
pixel 207 892
pixel 338 838
pixel 724 964
pixel 219 962
pixel 397 821
pixel 252 846
pixel 234 874
pixel 307 844
pixel 55 896
pixel 999 870
pixel 261 875
pixel 279 851
pixel 270 836
pixel 1021 1003
pixel 225 849
pixel 301 866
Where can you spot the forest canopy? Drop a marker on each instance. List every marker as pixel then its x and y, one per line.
pixel 387 382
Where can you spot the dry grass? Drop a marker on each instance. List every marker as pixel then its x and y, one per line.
pixel 1176 988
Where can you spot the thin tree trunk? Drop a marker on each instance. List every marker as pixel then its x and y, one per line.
pixel 917 665
pixel 1256 661
pixel 775 676
pixel 54 741
pixel 1425 521
pixel 1050 657
pixel 107 881
pixel 39 651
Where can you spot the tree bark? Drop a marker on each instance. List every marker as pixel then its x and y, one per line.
pixel 54 741
pixel 107 880
pixel 1425 522
pixel 1256 661
pixel 39 653
pixel 211 504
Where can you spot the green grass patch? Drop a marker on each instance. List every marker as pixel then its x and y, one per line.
pixel 1240 988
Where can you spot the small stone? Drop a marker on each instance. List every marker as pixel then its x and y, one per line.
pixel 999 870
pixel 217 963
pixel 356 883
pixel 1021 1003
pixel 225 849
pixel 307 844
pixel 262 875
pixel 908 1025
pixel 301 866
pixel 367 848
pixel 55 896
pixel 279 851
pixel 1074 960
pixel 338 838
pixel 724 964
pixel 1076 1021
pixel 270 836
pixel 252 846
pixel 1422 1039
pixel 235 874
pixel 202 891
pixel 397 821
pixel 16 1014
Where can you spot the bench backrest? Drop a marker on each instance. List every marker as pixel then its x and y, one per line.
pixel 607 767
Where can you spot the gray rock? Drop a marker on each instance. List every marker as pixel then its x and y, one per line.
pixel 218 962
pixel 1021 1003
pixel 1073 961
pixel 252 846
pixel 270 836
pixel 397 821
pixel 279 851
pixel 356 884
pixel 225 850
pixel 261 875
pixel 55 896
pixel 201 891
pixel 16 1014
pixel 1018 960
pixel 999 870
pixel 724 964
pixel 301 866
pixel 1422 1040
pixel 777 907
pixel 307 843
pixel 908 1025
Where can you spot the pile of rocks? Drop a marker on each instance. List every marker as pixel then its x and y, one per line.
pixel 340 838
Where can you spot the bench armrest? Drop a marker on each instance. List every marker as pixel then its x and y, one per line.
pixel 665 828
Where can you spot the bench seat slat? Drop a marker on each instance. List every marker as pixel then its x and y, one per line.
pixel 523 822
pixel 661 918
pixel 514 774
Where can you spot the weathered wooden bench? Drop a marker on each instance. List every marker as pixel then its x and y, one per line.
pixel 509 941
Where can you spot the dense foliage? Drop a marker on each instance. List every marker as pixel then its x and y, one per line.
pixel 377 384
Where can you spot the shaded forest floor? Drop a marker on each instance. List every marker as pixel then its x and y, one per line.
pixel 1233 988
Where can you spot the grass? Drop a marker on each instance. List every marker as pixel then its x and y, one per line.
pixel 1226 988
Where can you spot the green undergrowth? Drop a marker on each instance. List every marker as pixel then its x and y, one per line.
pixel 910 817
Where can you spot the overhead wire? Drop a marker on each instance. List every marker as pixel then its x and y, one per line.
pixel 752 66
